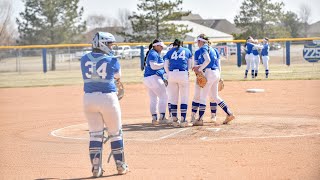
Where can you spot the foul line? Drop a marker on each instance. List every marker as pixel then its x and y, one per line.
pixel 262 137
pixel 54 133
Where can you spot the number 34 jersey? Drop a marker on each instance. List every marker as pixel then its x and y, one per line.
pixel 98 72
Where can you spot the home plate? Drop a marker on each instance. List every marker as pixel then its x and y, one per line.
pixel 255 90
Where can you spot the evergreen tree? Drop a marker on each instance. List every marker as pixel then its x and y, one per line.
pixel 50 22
pixel 258 17
pixel 152 21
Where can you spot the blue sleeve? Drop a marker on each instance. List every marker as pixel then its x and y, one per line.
pixel 84 69
pixel 217 53
pixel 160 73
pixel 189 53
pixel 116 64
pixel 165 57
pixel 153 56
pixel 196 57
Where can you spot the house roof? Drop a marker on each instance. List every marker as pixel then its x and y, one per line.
pixel 191 17
pixel 113 30
pixel 314 29
pixel 222 25
pixel 199 29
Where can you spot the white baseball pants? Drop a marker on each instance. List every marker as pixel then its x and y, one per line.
pixel 103 110
pixel 157 93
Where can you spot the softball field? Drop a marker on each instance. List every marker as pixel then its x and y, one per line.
pixel 276 135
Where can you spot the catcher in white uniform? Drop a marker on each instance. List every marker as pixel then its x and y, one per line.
pixel 101 105
pixel 206 62
pixel 177 63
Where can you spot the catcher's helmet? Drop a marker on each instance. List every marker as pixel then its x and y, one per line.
pixel 101 40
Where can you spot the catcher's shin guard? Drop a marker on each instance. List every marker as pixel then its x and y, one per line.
pixel 95 151
pixel 117 150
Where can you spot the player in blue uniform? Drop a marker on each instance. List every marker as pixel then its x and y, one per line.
pixel 177 64
pixel 101 105
pixel 207 62
pixel 265 55
pixel 154 83
pixel 256 58
pixel 213 104
pixel 249 56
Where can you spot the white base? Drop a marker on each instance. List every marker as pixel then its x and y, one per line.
pixel 255 90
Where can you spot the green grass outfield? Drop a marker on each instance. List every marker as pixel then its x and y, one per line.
pixel 131 73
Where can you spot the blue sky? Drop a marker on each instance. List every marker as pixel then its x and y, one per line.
pixel 225 9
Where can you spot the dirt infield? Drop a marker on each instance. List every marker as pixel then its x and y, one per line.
pixel 276 135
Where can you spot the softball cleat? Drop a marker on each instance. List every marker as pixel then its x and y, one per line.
pixel 213 120
pixel 229 118
pixel 97 171
pixel 176 123
pixel 122 168
pixel 185 124
pixel 155 122
pixel 165 121
pixel 198 122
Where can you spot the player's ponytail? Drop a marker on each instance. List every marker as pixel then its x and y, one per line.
pixel 178 43
pixel 150 47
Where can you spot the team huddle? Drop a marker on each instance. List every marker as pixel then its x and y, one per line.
pixel 174 68
pixel 252 56
pixel 167 82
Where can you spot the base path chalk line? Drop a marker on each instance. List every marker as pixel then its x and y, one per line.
pixel 261 137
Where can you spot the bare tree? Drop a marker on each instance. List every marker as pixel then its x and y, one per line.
pixel 123 16
pixel 96 21
pixel 7 32
pixel 305 13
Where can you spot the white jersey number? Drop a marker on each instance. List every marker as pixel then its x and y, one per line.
pixel 175 55
pixel 101 70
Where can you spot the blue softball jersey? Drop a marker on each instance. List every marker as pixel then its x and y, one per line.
pixel 153 56
pixel 98 72
pixel 249 47
pixel 212 54
pixel 178 58
pixel 255 51
pixel 265 50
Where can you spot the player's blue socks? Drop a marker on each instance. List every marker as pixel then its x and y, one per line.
pixel 252 73
pixel 202 109
pixel 169 108
pixel 154 117
pixel 246 74
pixel 224 106
pixel 213 107
pixel 256 73
pixel 162 116
pixel 195 107
pixel 183 109
pixel 117 150
pixel 174 109
pixel 267 73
